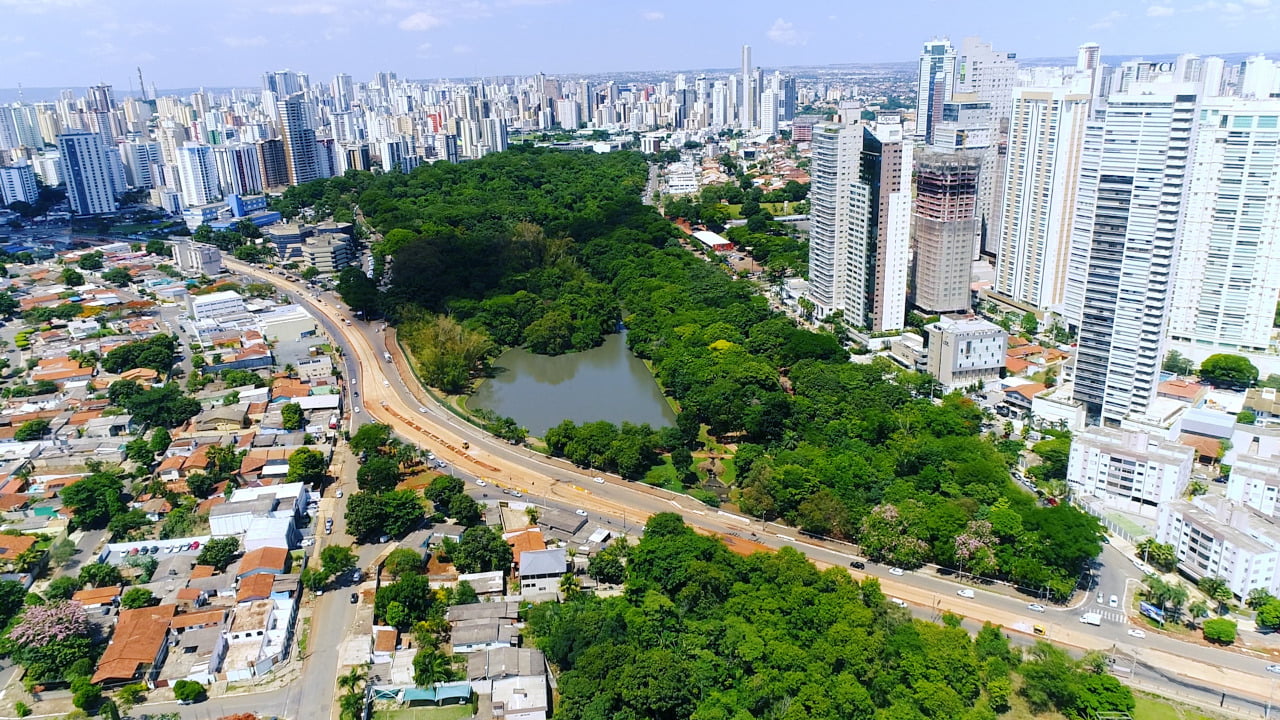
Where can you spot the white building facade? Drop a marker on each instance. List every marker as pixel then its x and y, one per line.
pixel 1130 471
pixel 86 169
pixel 965 351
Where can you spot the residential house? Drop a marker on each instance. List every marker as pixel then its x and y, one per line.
pixel 541 570
pixel 137 648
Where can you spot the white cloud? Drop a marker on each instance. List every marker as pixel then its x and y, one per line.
pixel 242 42
pixel 1258 3
pixel 785 33
pixel 461 49
pixel 1108 21
pixel 303 9
pixel 1232 8
pixel 1159 11
pixel 653 16
pixel 421 21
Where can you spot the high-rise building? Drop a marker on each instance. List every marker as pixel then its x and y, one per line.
pixel 935 85
pixel 1228 270
pixel 769 110
pixel 86 169
pixel 989 75
pixel 747 97
pixel 1123 245
pixel 300 153
pixel 860 205
pixel 197 174
pixel 343 92
pixel 141 159
pixel 18 183
pixel 239 169
pixel 1046 134
pixel 944 227
pixel 271 158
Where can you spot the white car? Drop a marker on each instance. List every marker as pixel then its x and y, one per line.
pixel 898 601
pixel 339 494
pixel 422 410
pixel 965 593
pixel 1273 669
pixel 517 493
pixel 1114 602
pixel 386 383
pixel 1135 632
pixel 896 571
pixel 1036 607
pixel 598 479
pixel 481 482
pixel 356 411
pixel 581 512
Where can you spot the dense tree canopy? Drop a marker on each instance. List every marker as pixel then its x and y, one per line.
pixel 557 246
pixel 703 633
pixel 156 353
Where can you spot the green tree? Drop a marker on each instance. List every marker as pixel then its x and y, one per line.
pixel 370 515
pixel 482 549
pixel 608 566
pixel 100 575
pixel 136 597
pixel 1229 371
pixel 314 579
pixel 1269 614
pixel 156 352
pixel 219 552
pixel 1160 555
pixel 403 561
pixel 431 667
pixel 378 474
pixel 337 559
pixel 118 276
pixel 465 511
pixel 188 691
pixel 94 500
pixel 63 587
pixel 307 466
pixel 91 261
pixel 370 438
pixel 31 430
pixel 159 247
pixel 160 440
pixel 1258 597
pixel 1220 631
pixel 292 417
pixel 358 291
pixel 71 277
pixel 464 594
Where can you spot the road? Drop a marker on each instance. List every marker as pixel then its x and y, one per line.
pixel 387 398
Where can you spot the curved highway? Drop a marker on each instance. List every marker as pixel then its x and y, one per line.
pixel 1172 665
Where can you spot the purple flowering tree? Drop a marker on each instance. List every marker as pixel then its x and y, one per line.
pixel 44 624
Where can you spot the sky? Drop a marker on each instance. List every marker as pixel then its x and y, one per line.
pixel 191 43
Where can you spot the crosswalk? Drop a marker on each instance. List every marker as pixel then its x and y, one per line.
pixel 1109 615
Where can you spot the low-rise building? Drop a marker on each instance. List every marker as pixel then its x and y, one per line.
pixel 965 351
pixel 137 648
pixel 215 305
pixel 195 259
pixel 541 570
pixel 1255 481
pixel 1128 470
pixel 327 252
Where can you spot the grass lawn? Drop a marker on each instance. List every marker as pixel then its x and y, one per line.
pixel 1149 707
pixel 735 211
pixel 449 712
pixel 664 475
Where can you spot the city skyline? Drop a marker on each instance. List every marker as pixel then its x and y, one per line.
pixel 52 42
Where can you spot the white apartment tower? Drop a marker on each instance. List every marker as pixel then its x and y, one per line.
pixel 86 169
pixel 141 158
pixel 1124 243
pixel 990 75
pixel 860 207
pixel 239 169
pixel 302 163
pixel 18 183
pixel 1228 271
pixel 198 174
pixel 1046 134
pixel 1129 470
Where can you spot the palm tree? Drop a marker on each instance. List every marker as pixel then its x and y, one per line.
pixel 1217 590
pixel 570 586
pixel 351 680
pixel 1199 609
pixel 351 706
pixel 432 669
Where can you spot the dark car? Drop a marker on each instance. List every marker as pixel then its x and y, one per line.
pixel 355 598
pixel 858 565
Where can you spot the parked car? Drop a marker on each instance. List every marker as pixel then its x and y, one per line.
pixel 195 544
pixel 1274 669
pixel 133 551
pixel 1135 632
pixel 581 512
pixel 355 598
pixel 339 494
pixel 481 482
pixel 899 602
pixel 1114 602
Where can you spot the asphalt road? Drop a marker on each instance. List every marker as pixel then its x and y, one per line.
pixel 556 481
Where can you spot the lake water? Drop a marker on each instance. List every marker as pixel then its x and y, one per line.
pixel 604 383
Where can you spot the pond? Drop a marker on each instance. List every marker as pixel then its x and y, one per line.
pixel 603 383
